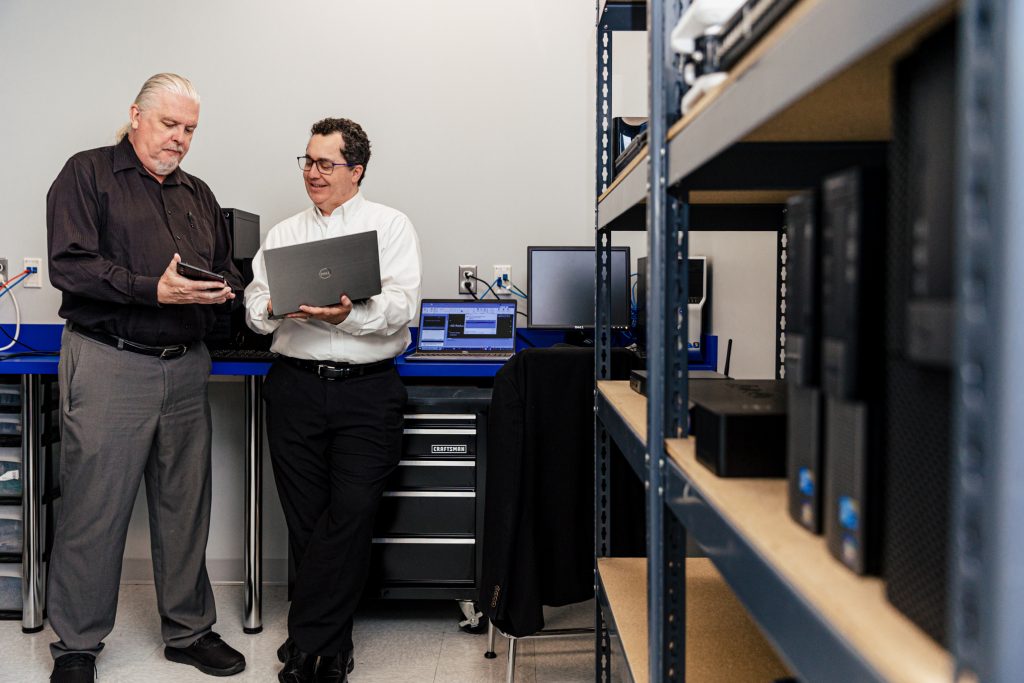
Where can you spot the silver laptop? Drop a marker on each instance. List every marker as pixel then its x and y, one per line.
pixel 318 273
pixel 466 330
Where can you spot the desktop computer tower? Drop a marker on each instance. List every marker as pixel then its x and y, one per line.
pixel 919 333
pixel 640 331
pixel 853 217
pixel 804 428
pixel 230 330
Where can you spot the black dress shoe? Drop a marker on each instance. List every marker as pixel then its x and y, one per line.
pixel 209 654
pixel 289 649
pixel 335 669
pixel 299 668
pixel 76 667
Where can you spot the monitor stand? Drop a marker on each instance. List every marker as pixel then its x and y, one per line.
pixel 579 338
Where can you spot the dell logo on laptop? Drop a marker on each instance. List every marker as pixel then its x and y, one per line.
pixel 325 273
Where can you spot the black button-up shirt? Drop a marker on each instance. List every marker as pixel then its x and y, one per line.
pixel 112 229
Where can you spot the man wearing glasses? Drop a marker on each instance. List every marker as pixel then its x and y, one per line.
pixel 334 400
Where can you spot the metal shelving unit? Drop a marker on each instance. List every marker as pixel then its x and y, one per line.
pixel 810 97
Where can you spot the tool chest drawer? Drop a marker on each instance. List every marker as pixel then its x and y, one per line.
pixel 423 560
pixel 425 513
pixel 433 474
pixel 444 434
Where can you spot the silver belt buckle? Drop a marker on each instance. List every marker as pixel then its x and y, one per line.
pixel 166 353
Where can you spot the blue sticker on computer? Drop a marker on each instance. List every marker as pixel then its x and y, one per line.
pixel 806 481
pixel 849 513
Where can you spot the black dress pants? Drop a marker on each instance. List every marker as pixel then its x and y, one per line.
pixel 333 444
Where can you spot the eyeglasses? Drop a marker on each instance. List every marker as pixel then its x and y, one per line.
pixel 326 166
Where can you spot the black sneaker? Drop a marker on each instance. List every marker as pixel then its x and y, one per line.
pixel 299 668
pixel 76 667
pixel 209 654
pixel 331 670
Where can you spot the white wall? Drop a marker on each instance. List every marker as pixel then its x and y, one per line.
pixel 480 114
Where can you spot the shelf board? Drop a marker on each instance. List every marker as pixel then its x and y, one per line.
pixel 828 623
pixel 623 412
pixel 821 74
pixel 722 643
pixel 623 594
pixel 629 189
pixel 719 197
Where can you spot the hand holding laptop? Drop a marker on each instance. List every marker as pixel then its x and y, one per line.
pixel 328 314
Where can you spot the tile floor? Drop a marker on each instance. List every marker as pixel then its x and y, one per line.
pixel 396 642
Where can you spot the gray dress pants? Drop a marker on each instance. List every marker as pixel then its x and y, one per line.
pixel 125 415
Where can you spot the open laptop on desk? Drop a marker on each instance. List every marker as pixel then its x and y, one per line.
pixel 466 330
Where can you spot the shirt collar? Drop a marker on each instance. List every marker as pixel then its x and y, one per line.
pixel 347 210
pixel 125 158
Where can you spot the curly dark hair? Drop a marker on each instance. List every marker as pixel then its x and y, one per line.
pixel 357 145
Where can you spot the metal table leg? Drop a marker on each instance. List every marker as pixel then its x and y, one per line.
pixel 32 586
pixel 252 617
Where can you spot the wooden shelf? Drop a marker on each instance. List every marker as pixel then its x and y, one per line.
pixel 718 197
pixel 859 630
pixel 623 582
pixel 821 74
pixel 627 190
pixel 623 412
pixel 723 645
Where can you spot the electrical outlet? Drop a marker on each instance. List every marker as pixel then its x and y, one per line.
pixel 467 281
pixel 4 276
pixel 502 279
pixel 35 280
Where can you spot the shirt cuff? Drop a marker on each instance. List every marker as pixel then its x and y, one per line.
pixel 355 320
pixel 144 289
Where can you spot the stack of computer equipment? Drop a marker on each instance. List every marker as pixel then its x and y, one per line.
pixel 919 353
pixel 803 363
pixel 869 358
pixel 853 232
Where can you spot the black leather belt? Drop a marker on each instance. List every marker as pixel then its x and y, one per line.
pixel 162 352
pixel 328 370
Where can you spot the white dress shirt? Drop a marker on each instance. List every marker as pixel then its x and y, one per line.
pixel 376 329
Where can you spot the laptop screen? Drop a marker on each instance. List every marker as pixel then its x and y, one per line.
pixel 467 326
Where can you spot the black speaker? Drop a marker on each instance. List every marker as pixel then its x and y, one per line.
pixel 920 309
pixel 853 315
pixel 804 430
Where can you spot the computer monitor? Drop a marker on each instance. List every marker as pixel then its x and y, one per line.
pixel 561 287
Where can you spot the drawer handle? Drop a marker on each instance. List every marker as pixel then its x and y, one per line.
pixel 430 494
pixel 437 463
pixel 466 432
pixel 441 416
pixel 427 541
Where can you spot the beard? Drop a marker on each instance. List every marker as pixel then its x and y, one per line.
pixel 165 167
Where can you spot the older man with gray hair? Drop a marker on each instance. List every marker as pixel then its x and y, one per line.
pixel 133 380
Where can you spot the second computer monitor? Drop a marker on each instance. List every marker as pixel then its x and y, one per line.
pixel 561 287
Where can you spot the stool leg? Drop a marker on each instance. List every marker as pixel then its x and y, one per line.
pixel 491 631
pixel 511 676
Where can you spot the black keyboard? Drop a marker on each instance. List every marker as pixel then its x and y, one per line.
pixel 250 355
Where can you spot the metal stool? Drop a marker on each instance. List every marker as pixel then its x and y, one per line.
pixel 510 676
